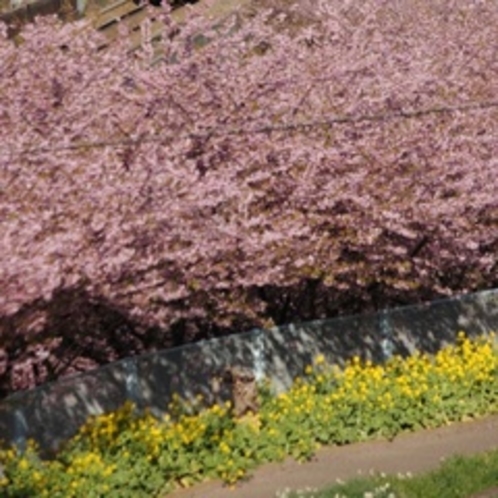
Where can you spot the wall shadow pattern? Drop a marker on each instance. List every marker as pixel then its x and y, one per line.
pixel 53 412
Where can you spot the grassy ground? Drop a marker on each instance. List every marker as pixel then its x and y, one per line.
pixel 458 477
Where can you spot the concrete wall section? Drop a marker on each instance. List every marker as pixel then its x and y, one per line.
pixel 54 412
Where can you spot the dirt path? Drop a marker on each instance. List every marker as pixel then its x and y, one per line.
pixel 415 453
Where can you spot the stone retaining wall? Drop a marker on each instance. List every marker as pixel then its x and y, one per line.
pixel 18 16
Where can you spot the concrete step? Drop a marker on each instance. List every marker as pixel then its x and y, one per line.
pixel 117 11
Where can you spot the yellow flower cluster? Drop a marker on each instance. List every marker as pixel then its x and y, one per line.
pixel 467 361
pixel 103 429
pixel 364 399
pixel 328 405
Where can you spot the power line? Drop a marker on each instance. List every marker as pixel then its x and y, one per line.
pixel 266 128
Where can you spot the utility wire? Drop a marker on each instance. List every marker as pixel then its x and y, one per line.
pixel 298 126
